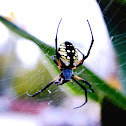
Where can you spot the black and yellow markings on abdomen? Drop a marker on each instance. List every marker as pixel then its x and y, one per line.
pixel 68 54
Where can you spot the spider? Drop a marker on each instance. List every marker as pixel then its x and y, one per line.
pixel 67 61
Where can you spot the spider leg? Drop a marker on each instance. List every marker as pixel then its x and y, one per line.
pixel 85 57
pixel 92 41
pixel 84 82
pixel 81 61
pixel 44 87
pixel 83 89
pixel 57 63
pixel 56 37
pixel 53 58
pixel 71 81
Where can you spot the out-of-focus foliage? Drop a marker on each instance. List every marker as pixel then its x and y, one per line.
pixel 114 12
pixel 115 17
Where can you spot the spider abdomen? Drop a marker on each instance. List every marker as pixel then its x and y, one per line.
pixel 68 55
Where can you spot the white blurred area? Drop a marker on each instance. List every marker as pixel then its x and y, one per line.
pixel 41 18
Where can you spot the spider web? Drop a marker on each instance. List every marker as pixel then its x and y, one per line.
pixel 18 76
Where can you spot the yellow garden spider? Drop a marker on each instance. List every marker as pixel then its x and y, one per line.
pixel 67 61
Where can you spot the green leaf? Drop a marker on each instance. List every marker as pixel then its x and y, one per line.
pixel 100 87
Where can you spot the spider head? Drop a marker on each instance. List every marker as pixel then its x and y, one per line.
pixel 68 55
pixel 67 74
